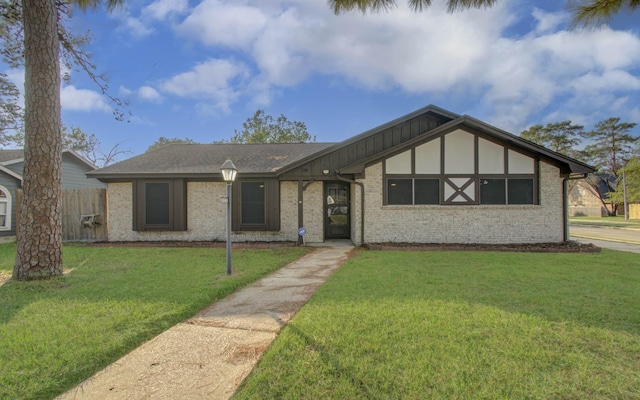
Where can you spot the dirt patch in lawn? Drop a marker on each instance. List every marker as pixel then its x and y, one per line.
pixel 564 247
pixel 4 277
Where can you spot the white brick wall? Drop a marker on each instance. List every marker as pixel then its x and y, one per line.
pixel 206 215
pixel 313 214
pixel 465 224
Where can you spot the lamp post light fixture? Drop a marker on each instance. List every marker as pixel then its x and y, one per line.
pixel 229 172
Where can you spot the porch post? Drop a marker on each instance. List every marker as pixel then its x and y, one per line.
pixel 300 208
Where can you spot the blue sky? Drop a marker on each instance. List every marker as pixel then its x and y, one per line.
pixel 198 69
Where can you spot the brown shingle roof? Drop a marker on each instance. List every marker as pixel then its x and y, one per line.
pixel 205 160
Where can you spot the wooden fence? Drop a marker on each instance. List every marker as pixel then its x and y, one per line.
pixel 84 214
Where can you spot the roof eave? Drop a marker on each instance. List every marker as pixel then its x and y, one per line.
pixel 123 177
pixel 574 166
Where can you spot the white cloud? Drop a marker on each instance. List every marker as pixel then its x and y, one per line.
pixel 219 23
pixel 145 93
pixel 607 81
pixel 149 94
pixel 136 26
pixel 434 52
pixel 125 91
pixel 161 9
pixel 142 25
pixel 548 21
pixel 82 100
pixel 212 81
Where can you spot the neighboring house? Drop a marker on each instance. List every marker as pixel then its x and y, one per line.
pixel 74 169
pixel 585 198
pixel 428 177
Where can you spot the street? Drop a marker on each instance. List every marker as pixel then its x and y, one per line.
pixel 607 237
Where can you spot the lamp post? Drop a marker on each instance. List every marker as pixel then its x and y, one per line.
pixel 229 172
pixel 624 194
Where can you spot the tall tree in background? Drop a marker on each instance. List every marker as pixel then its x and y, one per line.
pixel 561 137
pixel 11 116
pixel 163 141
pixel 263 128
pixel 39 234
pixel 86 145
pixel 585 13
pixel 611 145
pixel 632 178
pixel 610 149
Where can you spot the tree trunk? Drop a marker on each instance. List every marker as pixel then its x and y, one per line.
pixel 39 234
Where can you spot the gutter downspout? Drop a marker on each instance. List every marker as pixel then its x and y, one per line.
pixel 565 197
pixel 361 202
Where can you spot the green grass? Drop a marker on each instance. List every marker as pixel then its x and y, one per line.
pixel 462 325
pixel 56 333
pixel 616 221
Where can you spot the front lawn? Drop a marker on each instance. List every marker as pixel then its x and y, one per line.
pixel 462 325
pixel 56 333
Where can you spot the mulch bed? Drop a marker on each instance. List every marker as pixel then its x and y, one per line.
pixel 565 247
pixel 196 244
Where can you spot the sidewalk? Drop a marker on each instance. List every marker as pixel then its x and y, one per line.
pixel 208 356
pixel 622 239
pixel 613 234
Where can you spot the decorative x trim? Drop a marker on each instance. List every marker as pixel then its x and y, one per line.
pixel 459 190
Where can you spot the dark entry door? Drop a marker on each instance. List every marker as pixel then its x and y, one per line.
pixel 336 200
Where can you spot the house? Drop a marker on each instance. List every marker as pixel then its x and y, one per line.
pixel 431 176
pixel 586 196
pixel 74 168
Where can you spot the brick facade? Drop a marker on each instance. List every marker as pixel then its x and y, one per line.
pixel 465 224
pixel 206 216
pixel 313 215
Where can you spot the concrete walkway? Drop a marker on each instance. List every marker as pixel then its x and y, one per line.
pixel 208 356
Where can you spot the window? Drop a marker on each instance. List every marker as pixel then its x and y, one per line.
pixel 520 191
pixel 400 191
pixel 506 191
pixel 413 191
pixel 253 201
pixel 160 205
pixel 256 205
pixel 461 168
pixel 157 203
pixel 427 191
pixel 492 191
pixel 5 209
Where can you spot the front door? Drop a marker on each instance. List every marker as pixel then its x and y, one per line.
pixel 336 205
